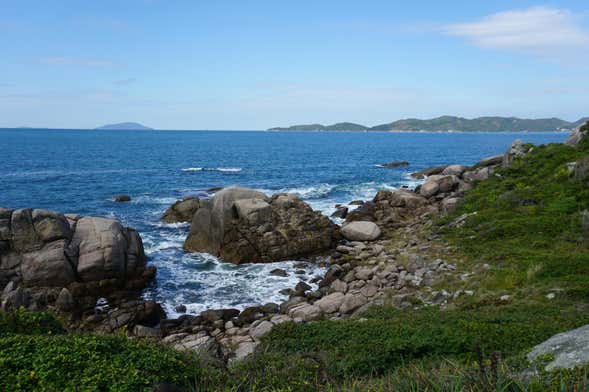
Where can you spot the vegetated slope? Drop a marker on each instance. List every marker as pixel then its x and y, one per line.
pixel 450 123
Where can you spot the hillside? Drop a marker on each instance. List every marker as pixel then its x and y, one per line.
pixel 126 126
pixel 344 126
pixel 450 123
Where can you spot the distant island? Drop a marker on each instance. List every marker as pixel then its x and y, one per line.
pixel 450 123
pixel 126 126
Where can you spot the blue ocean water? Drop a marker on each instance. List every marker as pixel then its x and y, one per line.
pixel 79 171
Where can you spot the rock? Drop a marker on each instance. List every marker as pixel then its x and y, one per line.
pixel 490 161
pixel 576 135
pixel 15 299
pixel 251 314
pixel 180 308
pixel 361 231
pixel 49 249
pixel 455 170
pixel 356 202
pixel 338 286
pixel 438 184
pixel 213 315
pixel 340 212
pixel 568 349
pixel 517 150
pixel 65 301
pixel 480 174
pixel 244 350
pixel 352 302
pixel 279 272
pixel 429 188
pixel 395 164
pixel 243 225
pixel 363 273
pixel 147 332
pixel 200 343
pixel 301 287
pixel 330 303
pixel 581 170
pixel 428 172
pixel 369 290
pixel 182 210
pixel 306 312
pixel 261 329
pixel 450 204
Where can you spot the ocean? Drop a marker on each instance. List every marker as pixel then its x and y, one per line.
pixel 79 171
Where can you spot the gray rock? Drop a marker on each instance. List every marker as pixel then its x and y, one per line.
pixel 569 349
pixel 261 329
pixel 65 301
pixel 306 312
pixel 516 151
pixel 352 302
pixel 243 225
pixel 576 135
pixel 361 231
pixel 330 303
pixel 182 210
pixel 395 164
pixel 455 170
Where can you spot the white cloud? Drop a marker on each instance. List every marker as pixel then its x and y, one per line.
pixel 537 30
pixel 75 61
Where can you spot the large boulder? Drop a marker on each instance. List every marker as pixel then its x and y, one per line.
pixel 242 225
pixel 565 350
pixel 48 249
pixel 361 231
pixel 182 210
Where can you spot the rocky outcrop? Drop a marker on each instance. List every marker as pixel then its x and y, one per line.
pixel 565 350
pixel 182 210
pixel 516 151
pixel 43 251
pixel 577 134
pixel 242 225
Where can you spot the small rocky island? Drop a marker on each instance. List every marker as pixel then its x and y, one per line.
pixel 126 126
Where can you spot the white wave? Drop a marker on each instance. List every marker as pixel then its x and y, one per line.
pixel 218 169
pixel 225 285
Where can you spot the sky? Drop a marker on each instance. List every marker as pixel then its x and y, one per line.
pixel 259 64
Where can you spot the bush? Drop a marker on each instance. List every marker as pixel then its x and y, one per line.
pixel 90 363
pixel 390 338
pixel 21 322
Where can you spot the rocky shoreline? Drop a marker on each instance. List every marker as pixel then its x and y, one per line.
pixel 90 271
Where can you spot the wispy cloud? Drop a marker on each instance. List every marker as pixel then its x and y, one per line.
pixel 124 82
pixel 536 30
pixel 76 62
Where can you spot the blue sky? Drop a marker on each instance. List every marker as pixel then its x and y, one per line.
pixel 258 64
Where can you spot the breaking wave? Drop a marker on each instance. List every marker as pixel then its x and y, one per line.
pixel 214 169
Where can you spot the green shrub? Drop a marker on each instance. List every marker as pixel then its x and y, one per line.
pixel 21 322
pixel 389 338
pixel 90 363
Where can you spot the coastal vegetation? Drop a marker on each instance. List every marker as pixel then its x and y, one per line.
pixel 450 123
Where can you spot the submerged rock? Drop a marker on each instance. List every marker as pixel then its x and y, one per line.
pixel 122 198
pixel 395 164
pixel 242 225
